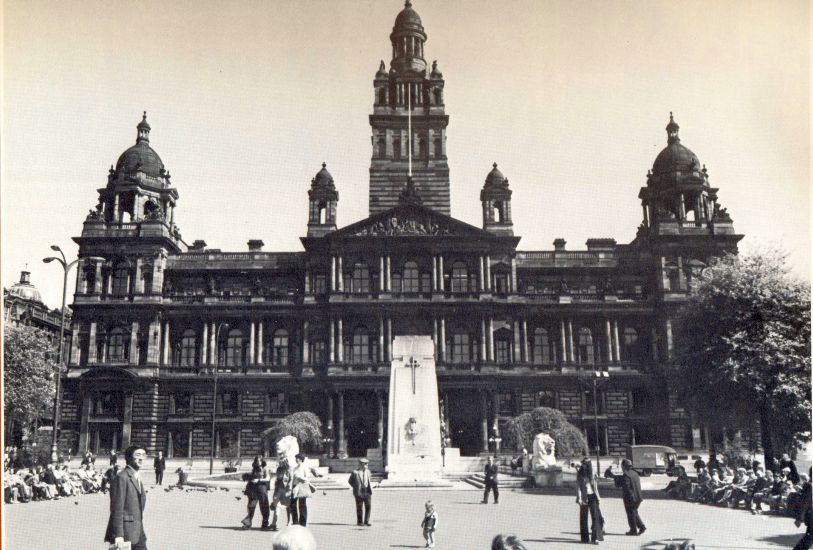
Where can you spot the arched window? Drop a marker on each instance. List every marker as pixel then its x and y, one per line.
pixel 460 347
pixel 90 279
pixel 121 280
pixel 116 346
pixel 280 353
pixel 189 348
pixel 460 277
pixel 585 348
pixel 361 278
pixel 630 344
pixel 411 280
pixel 234 348
pixel 541 347
pixel 360 349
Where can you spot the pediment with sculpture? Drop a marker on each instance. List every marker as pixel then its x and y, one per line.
pixel 409 221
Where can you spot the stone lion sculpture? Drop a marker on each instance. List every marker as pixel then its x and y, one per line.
pixel 287 448
pixel 544 452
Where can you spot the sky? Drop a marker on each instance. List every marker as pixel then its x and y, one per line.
pixel 247 98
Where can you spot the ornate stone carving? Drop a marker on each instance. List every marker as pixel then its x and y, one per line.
pixel 395 226
pixel 720 214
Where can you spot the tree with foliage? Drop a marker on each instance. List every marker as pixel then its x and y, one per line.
pixel 741 354
pixel 28 376
pixel 520 431
pixel 304 426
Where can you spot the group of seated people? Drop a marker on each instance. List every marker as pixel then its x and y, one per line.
pixel 52 482
pixel 752 487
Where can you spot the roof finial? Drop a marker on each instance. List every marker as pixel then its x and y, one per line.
pixel 324 165
pixel 672 130
pixel 144 116
pixel 407 4
pixel 494 165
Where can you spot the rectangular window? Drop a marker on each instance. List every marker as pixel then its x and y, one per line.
pixel 317 352
pixel 275 403
pixel 229 403
pixel 545 398
pixel 319 284
pixel 426 282
pixel 502 350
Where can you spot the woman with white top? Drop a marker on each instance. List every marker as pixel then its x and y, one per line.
pixel 301 490
pixel 588 499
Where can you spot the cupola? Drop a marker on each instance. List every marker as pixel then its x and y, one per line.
pixel 323 199
pixel 496 199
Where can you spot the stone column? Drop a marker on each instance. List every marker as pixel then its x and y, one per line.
pixel 139 276
pixel 97 283
pixel 617 343
pixel 332 342
pixel 134 343
pixel 488 272
pixel 436 338
pixel 525 341
pixel 517 351
pixel 339 274
pixel 682 207
pixel 329 424
pixel 490 329
pixel 570 341
pixel 483 342
pixel 388 273
pixel 260 341
pixel 563 334
pixel 380 339
pixel 92 359
pixel 496 426
pixel 435 286
pixel 484 419
pixel 204 344
pixel 340 428
pixel 513 274
pixel 251 342
pixel 333 286
pixel 213 343
pixel 481 274
pixel 441 279
pixel 380 427
pixel 442 339
pixel 389 339
pixel 608 335
pixel 116 212
pixel 84 436
pixel 75 349
pixel 381 275
pixel 167 355
pixel 340 338
pixel 305 344
pixel 127 425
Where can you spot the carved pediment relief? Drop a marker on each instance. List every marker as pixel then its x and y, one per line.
pixel 398 224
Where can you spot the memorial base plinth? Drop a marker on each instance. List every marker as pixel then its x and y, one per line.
pixel 549 477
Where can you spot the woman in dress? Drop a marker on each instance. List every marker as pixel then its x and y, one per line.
pixel 588 499
pixel 301 490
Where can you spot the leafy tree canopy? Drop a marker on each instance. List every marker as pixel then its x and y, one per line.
pixel 520 432
pixel 28 370
pixel 304 426
pixel 741 350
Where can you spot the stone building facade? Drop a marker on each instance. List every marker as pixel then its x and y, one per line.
pixel 160 327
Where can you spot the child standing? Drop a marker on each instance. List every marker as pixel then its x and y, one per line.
pixel 429 524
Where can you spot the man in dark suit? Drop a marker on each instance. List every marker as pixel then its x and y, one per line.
pixel 630 484
pixel 159 465
pixel 362 491
pixel 127 501
pixel 490 472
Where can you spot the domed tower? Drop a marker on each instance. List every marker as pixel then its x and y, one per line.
pixel 408 122
pixel 323 199
pixel 496 199
pixel 683 223
pixel 123 252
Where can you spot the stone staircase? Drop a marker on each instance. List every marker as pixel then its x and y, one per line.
pixel 506 481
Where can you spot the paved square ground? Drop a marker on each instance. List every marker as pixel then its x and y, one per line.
pixel 198 520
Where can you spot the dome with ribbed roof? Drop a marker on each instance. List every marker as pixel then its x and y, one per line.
pixel 24 289
pixel 495 177
pixel 408 18
pixel 675 158
pixel 323 178
pixel 141 157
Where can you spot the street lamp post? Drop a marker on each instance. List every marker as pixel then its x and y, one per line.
pixel 214 392
pixel 602 376
pixel 61 360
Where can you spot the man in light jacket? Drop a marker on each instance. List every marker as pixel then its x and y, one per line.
pixel 362 491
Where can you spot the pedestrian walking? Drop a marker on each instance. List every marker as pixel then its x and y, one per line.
pixel 282 493
pixel 301 490
pixel 429 524
pixel 127 501
pixel 588 499
pixel 362 491
pixel 251 492
pixel 159 465
pixel 630 485
pixel 491 473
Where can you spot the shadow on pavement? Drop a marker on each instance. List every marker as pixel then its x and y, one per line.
pixel 555 539
pixel 785 541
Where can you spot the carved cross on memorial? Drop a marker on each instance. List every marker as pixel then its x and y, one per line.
pixel 412 365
